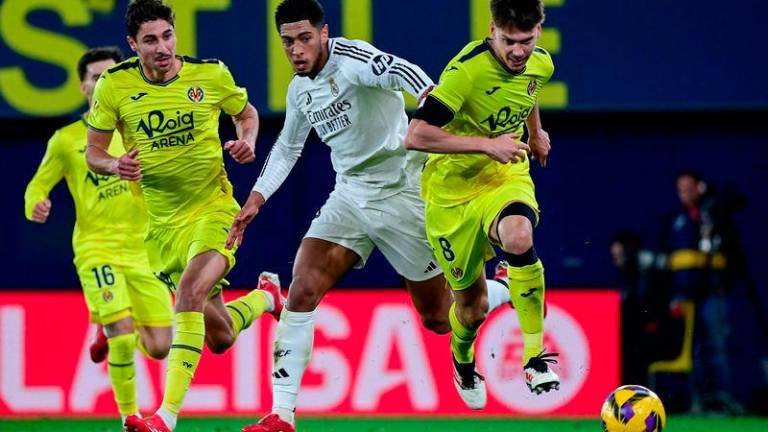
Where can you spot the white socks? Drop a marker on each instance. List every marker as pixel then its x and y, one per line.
pixel 498 294
pixel 168 418
pixel 293 348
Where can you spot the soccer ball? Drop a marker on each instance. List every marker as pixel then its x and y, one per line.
pixel 633 408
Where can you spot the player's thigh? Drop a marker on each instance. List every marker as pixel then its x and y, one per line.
pixel 201 279
pixel 341 223
pixel 209 232
pixel 150 296
pixel 520 190
pixel 397 227
pixel 432 298
pixel 318 266
pixel 459 243
pixel 105 290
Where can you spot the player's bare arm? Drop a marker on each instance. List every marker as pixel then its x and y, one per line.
pixel 41 211
pixel 538 138
pixel 127 167
pixel 425 137
pixel 246 215
pixel 243 149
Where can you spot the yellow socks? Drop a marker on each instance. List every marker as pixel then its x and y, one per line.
pixel 526 288
pixel 122 372
pixel 247 308
pixel 462 339
pixel 183 358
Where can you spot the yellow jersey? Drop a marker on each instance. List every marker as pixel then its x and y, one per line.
pixel 110 216
pixel 487 99
pixel 175 126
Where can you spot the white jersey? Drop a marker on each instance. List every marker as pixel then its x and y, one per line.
pixel 356 107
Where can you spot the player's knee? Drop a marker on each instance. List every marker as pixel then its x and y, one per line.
pixel 220 344
pixel 305 292
pixel 436 324
pixel 517 241
pixel 191 297
pixel 122 327
pixel 473 317
pixel 155 350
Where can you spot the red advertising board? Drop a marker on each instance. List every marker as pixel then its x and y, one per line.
pixel 371 356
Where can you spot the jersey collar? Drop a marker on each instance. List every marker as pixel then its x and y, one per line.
pixel 164 83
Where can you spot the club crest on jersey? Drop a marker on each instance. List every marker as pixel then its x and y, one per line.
pixel 334 87
pixel 532 87
pixel 457 273
pixel 107 296
pixel 195 94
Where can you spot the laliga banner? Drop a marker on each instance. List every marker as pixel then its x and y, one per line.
pixel 371 356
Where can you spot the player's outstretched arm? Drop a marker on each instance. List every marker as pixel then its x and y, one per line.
pixel 426 137
pixel 246 215
pixel 37 206
pixel 243 150
pixel 538 138
pixel 127 167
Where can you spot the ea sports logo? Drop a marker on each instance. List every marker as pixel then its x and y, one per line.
pixel 195 94
pixel 500 350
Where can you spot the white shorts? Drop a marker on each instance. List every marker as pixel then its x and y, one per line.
pixel 395 225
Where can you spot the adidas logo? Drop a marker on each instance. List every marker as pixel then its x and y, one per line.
pixel 432 266
pixel 280 374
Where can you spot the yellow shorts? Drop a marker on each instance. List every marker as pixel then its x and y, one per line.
pixel 171 248
pixel 114 291
pixel 459 234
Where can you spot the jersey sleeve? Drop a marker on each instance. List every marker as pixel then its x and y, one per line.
pixel 454 86
pixel 103 113
pixel 548 66
pixel 287 148
pixel 233 98
pixel 49 173
pixel 364 64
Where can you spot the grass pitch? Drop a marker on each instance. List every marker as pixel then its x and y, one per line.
pixel 373 424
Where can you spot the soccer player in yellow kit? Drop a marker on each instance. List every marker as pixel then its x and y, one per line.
pixel 167 107
pixel 477 186
pixel 120 290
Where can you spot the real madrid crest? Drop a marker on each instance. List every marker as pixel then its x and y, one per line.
pixel 532 87
pixel 196 94
pixel 334 87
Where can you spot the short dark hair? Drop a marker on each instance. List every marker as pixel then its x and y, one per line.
pixel 687 172
pixel 97 54
pixel 520 14
pixel 290 11
pixel 141 11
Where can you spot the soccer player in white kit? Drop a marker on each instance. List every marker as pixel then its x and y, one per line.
pixel 350 93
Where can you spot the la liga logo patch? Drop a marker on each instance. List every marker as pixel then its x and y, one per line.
pixel 195 94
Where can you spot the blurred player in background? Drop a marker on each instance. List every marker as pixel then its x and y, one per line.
pixel 350 93
pixel 477 186
pixel 120 290
pixel 167 109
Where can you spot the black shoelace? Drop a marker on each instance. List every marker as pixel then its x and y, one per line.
pixel 539 362
pixel 467 374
